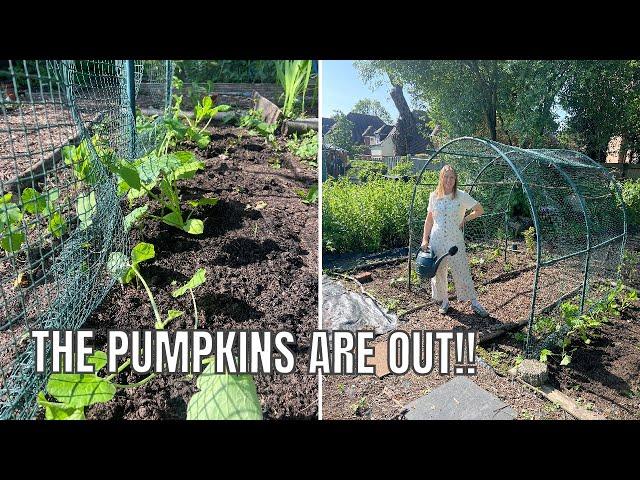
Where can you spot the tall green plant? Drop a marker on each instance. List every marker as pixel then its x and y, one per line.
pixel 294 76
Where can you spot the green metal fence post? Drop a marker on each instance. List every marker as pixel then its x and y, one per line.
pixel 169 80
pixel 130 78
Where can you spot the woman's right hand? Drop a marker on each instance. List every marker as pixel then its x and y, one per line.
pixel 425 246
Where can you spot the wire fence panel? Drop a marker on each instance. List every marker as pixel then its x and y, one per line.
pixel 60 215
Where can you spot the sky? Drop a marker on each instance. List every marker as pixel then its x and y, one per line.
pixel 342 87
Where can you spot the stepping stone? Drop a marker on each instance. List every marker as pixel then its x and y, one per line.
pixel 459 399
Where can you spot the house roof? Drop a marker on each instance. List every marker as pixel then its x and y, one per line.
pixel 369 131
pixel 384 131
pixel 327 123
pixel 360 123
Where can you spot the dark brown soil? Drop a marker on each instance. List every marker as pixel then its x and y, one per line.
pixel 603 377
pixel 261 274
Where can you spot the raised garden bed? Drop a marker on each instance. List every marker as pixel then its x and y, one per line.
pixel 603 377
pixel 261 274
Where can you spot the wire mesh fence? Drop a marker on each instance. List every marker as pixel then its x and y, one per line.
pixel 60 215
pixel 568 207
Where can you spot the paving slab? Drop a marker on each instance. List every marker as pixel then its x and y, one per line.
pixel 459 399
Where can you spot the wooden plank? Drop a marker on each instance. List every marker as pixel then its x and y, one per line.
pixel 569 405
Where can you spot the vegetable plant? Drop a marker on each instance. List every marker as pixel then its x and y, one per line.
pixel 32 205
pixel 306 147
pixel 221 396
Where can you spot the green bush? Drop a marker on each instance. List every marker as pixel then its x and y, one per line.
pixel 366 170
pixel 402 169
pixel 226 71
pixel 368 217
pixel 631 196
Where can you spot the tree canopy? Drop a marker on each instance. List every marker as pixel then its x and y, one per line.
pixel 340 134
pixel 520 102
pixel 372 107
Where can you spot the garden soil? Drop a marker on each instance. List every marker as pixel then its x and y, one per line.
pixel 603 377
pixel 259 248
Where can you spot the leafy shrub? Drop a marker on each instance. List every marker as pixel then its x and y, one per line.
pixel 368 217
pixel 366 170
pixel 402 169
pixel 530 239
pixel 631 196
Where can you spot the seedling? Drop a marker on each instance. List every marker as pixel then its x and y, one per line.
pixel 198 279
pixel 309 196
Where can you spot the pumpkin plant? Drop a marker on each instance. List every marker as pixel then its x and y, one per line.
pixel 221 396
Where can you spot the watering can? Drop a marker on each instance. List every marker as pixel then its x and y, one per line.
pixel 427 263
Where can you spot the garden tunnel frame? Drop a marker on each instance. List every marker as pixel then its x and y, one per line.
pixel 562 188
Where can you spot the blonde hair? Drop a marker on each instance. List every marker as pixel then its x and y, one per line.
pixel 440 187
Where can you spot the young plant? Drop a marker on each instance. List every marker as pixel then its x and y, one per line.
pixel 293 76
pixel 309 196
pixel 156 176
pixel 253 122
pixel 306 147
pixel 221 396
pixel 198 279
pixel 32 203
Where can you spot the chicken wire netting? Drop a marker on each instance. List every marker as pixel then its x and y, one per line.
pixel 60 215
pixel 568 209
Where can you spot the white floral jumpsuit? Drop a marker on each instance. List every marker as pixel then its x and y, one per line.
pixel 448 213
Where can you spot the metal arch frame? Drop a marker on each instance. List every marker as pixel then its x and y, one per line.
pixel 525 188
pixel 539 154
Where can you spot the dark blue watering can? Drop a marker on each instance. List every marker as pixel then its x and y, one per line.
pixel 427 263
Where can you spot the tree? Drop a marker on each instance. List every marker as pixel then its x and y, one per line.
pixel 495 98
pixel 340 134
pixel 602 99
pixel 372 107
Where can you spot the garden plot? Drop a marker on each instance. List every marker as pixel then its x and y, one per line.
pixel 259 249
pixel 607 368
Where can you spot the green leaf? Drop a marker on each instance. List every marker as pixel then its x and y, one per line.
pixel 86 207
pixel 32 201
pixel 11 240
pixel 544 354
pixel 141 252
pixel 203 201
pixel 6 198
pixel 224 397
pixel 196 280
pixel 174 219
pixel 129 175
pixel 98 359
pixel 566 360
pixel 59 411
pixel 187 170
pixel 80 389
pixel 10 214
pixel 173 314
pixel 194 226
pixel 202 140
pixel 118 265
pixel 184 156
pixel 133 216
pixel 57 225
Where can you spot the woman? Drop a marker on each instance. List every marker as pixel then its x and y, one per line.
pixel 443 229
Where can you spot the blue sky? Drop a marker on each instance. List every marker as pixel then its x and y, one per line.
pixel 342 87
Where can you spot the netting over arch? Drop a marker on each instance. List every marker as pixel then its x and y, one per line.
pixel 60 215
pixel 573 204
